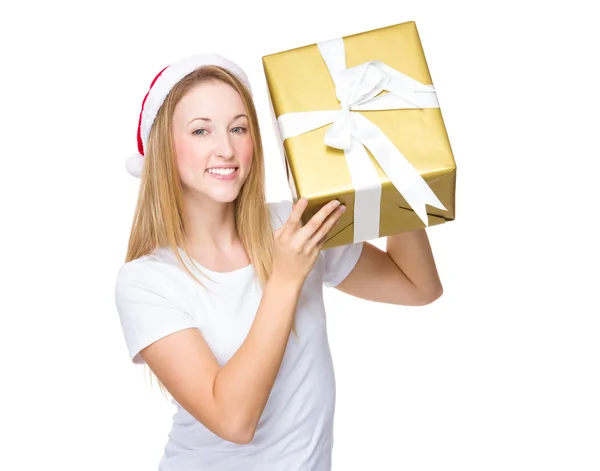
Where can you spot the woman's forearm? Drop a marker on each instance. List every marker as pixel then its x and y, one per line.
pixel 243 385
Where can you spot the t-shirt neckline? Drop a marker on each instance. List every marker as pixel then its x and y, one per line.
pixel 212 273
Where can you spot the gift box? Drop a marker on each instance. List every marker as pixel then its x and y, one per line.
pixel 359 121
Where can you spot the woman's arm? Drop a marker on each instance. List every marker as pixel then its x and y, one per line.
pixel 405 274
pixel 228 400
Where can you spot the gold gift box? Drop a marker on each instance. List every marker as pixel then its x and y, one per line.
pixel 298 80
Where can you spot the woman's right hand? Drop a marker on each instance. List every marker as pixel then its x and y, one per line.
pixel 297 247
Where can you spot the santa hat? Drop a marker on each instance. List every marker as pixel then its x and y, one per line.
pixel 160 88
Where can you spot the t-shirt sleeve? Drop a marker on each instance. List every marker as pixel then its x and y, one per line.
pixel 279 212
pixel 339 262
pixel 146 310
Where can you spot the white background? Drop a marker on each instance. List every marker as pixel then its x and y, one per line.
pixel 501 373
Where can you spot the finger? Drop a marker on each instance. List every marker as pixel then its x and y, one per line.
pixel 317 220
pixel 296 215
pixel 321 242
pixel 326 227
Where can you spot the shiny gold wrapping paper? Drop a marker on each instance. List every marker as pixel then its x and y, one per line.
pixel 298 80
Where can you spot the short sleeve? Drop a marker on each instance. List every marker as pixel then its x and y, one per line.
pixel 339 262
pixel 279 212
pixel 146 310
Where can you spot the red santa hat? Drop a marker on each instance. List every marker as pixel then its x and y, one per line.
pixel 160 88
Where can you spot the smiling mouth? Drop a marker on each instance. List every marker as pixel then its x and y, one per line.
pixel 222 171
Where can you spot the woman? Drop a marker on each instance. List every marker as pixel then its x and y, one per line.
pixel 216 281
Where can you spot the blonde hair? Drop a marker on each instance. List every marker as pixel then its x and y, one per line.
pixel 159 214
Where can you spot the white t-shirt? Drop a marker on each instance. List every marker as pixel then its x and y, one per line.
pixel 156 297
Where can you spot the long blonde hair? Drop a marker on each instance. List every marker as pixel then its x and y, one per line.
pixel 159 215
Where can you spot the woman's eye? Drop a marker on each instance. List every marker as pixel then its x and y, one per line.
pixel 199 132
pixel 238 130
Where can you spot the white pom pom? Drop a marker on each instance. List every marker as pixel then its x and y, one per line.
pixel 134 165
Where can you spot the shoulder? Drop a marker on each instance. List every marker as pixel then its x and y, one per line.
pixel 134 270
pixel 140 269
pixel 156 273
pixel 136 278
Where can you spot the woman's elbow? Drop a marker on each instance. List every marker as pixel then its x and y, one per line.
pixel 240 432
pixel 425 297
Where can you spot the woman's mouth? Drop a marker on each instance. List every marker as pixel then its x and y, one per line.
pixel 223 173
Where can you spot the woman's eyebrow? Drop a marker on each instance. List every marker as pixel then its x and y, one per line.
pixel 208 120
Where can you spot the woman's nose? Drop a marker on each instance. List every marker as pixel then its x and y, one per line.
pixel 223 146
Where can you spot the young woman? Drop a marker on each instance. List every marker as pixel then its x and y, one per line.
pixel 221 293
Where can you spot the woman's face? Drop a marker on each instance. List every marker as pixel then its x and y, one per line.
pixel 212 140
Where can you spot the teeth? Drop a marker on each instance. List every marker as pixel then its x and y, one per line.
pixel 221 171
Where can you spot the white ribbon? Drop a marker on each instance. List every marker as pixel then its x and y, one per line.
pixel 357 89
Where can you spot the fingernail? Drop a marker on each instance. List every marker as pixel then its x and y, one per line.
pixel 342 208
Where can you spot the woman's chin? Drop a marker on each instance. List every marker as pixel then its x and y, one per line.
pixel 223 197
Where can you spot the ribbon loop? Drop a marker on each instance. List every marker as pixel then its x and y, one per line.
pixel 339 135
